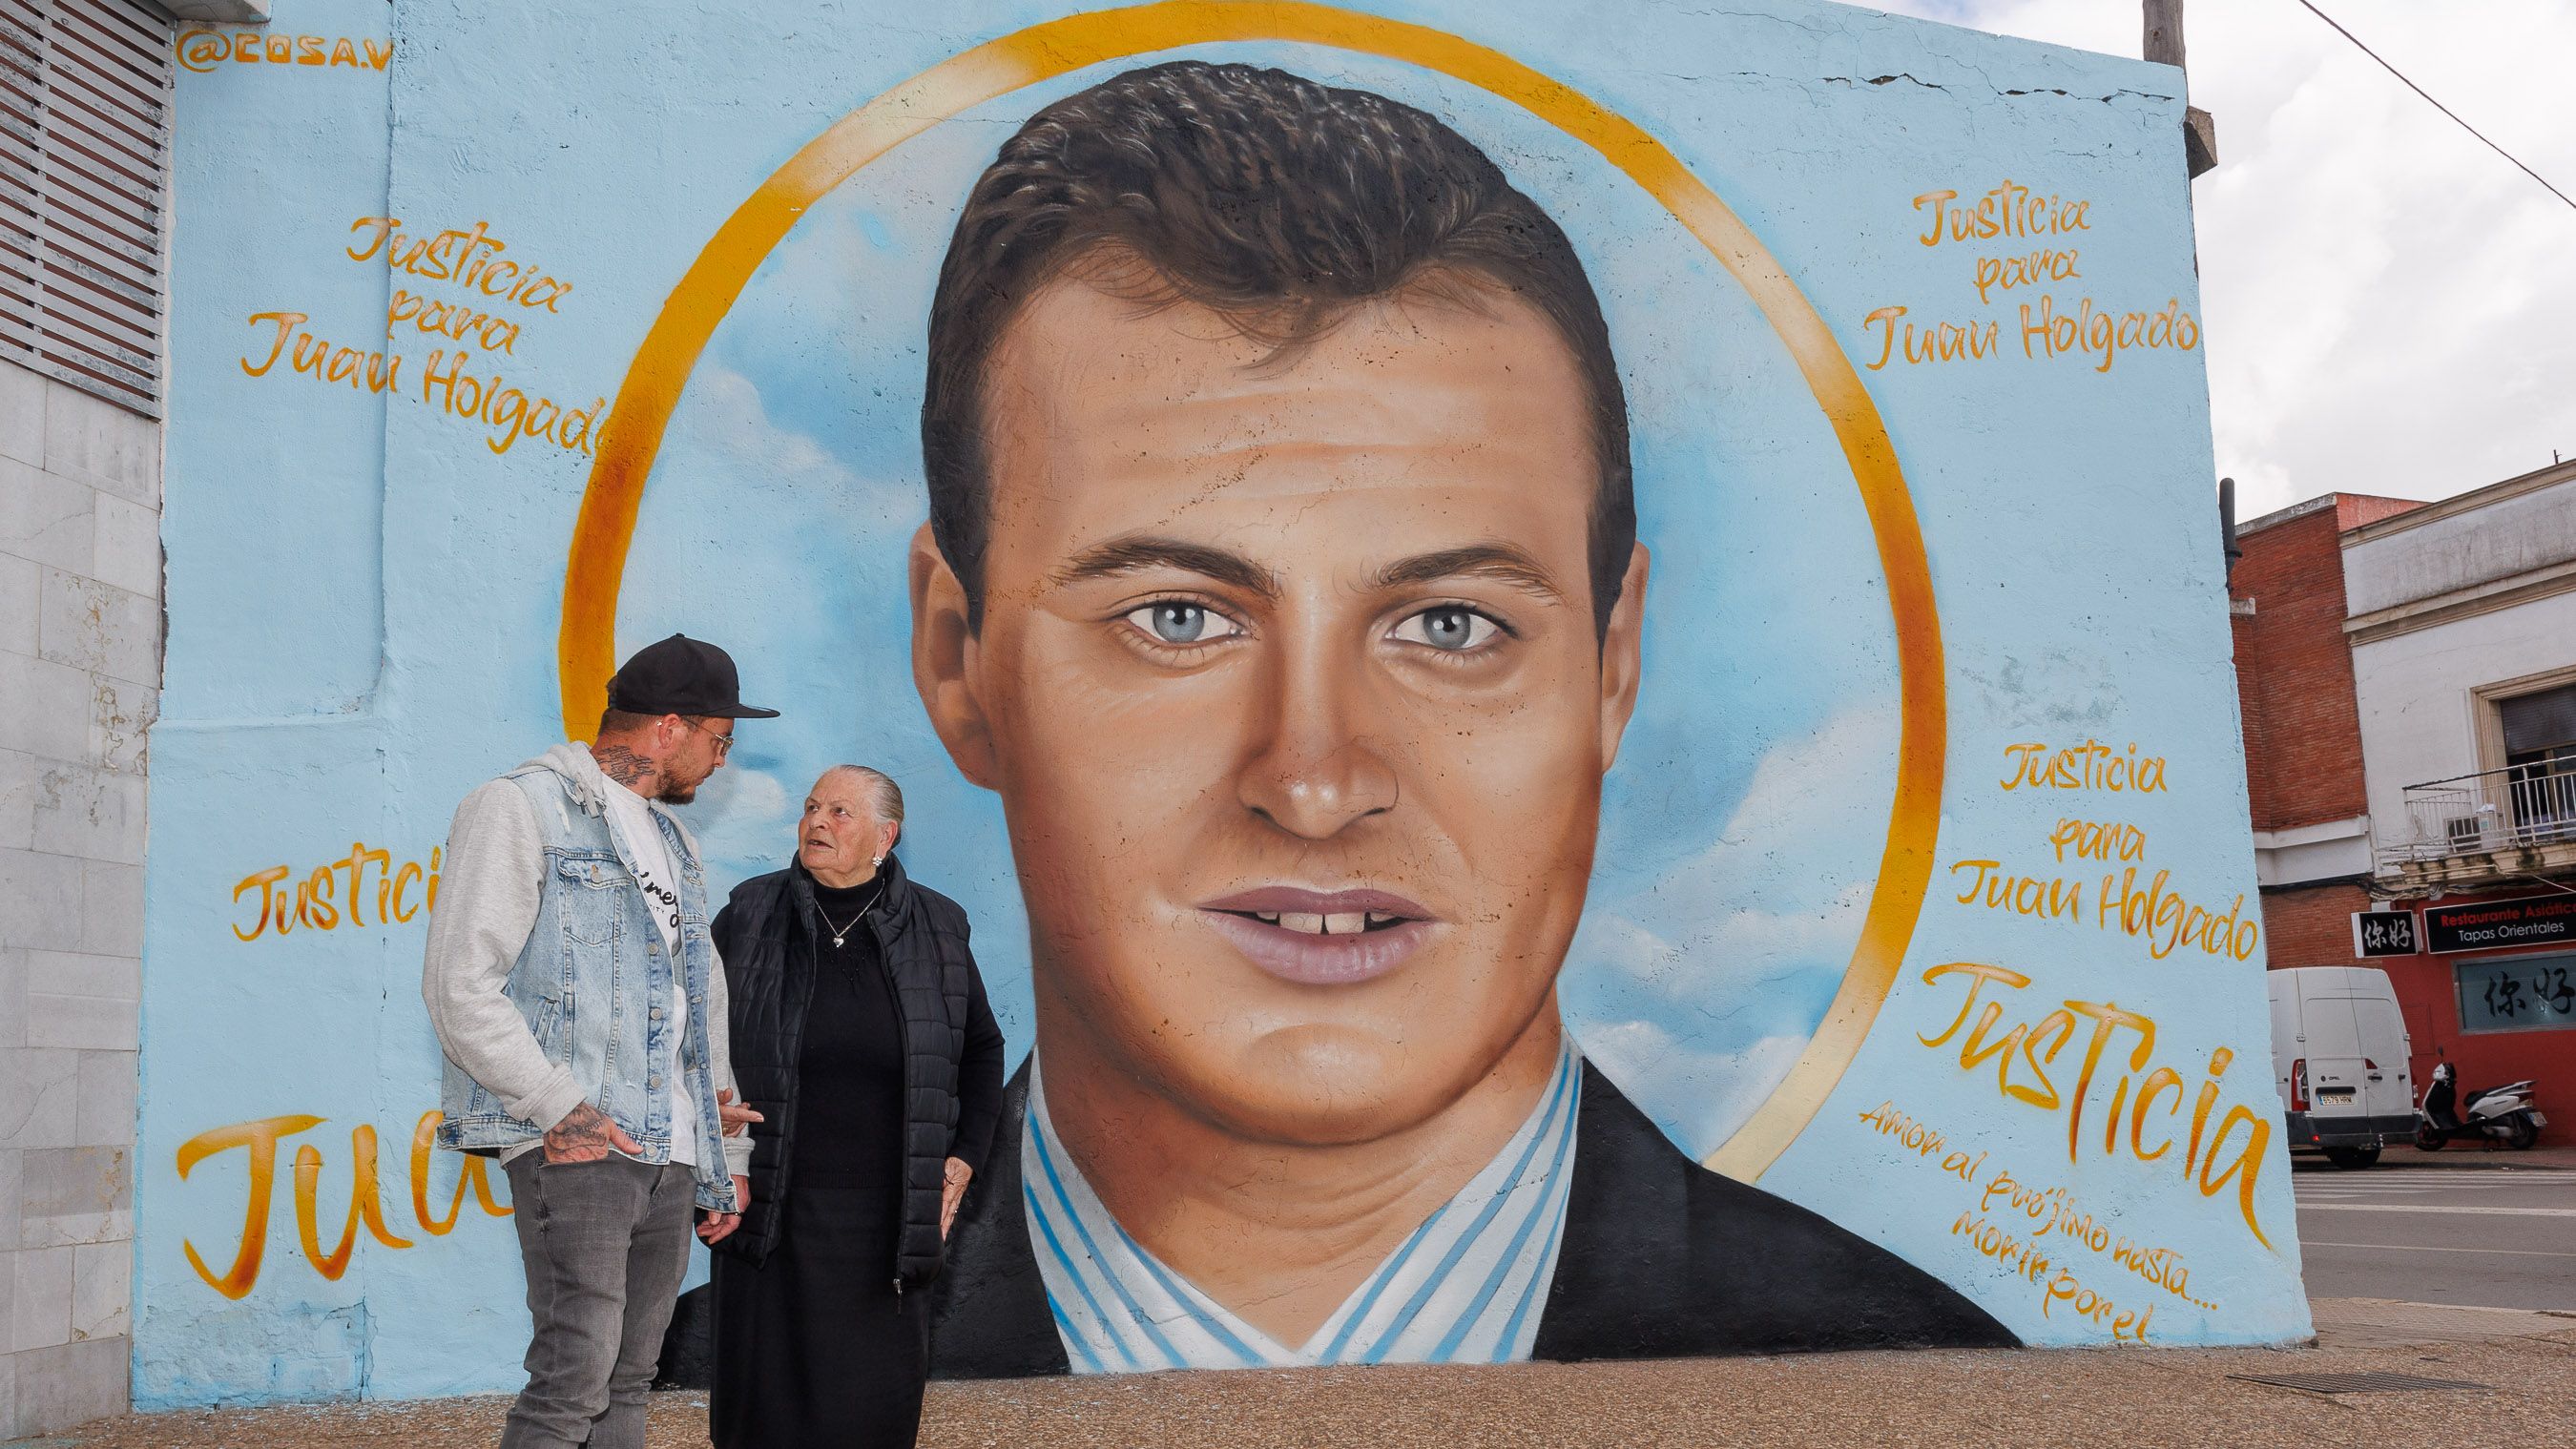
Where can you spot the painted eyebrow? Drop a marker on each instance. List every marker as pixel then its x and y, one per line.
pixel 1136 554
pixel 1497 561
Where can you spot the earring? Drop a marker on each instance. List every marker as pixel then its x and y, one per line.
pixel 880 860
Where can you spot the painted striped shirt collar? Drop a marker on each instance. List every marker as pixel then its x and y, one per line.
pixel 1466 1287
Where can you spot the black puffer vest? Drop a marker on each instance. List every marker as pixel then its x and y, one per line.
pixel 766 936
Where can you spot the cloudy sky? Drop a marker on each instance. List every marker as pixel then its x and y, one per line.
pixel 2391 306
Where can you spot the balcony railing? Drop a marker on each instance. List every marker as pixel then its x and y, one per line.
pixel 2521 807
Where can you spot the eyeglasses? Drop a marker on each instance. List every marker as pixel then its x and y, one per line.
pixel 724 743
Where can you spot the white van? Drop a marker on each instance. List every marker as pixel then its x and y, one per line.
pixel 2339 1053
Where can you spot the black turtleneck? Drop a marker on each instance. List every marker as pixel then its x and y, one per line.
pixel 849 1103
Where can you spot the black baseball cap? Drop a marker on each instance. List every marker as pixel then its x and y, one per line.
pixel 681 675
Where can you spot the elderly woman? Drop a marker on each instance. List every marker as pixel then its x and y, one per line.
pixel 862 1038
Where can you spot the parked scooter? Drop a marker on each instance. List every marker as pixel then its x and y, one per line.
pixel 2499 1114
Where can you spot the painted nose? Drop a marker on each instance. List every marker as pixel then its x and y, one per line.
pixel 1318 798
pixel 1317 774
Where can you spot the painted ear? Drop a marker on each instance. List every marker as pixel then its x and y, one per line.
pixel 1622 655
pixel 943 651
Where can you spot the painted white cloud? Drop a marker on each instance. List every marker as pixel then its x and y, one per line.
pixel 744 815
pixel 725 426
pixel 730 415
pixel 2386 299
pixel 1725 1086
pixel 1698 991
pixel 1777 881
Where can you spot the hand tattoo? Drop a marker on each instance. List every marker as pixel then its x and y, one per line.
pixel 584 1135
pixel 623 765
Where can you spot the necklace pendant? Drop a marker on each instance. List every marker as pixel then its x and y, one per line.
pixel 836 943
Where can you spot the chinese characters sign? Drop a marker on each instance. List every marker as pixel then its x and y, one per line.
pixel 2517 993
pixel 2385 933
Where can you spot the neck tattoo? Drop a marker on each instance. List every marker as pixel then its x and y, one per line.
pixel 623 765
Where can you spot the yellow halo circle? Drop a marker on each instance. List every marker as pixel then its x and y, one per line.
pixel 586 645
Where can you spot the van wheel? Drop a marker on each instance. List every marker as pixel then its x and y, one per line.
pixel 2352 1157
pixel 2523 1135
pixel 2427 1140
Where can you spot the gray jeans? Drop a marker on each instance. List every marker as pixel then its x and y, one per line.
pixel 605 1244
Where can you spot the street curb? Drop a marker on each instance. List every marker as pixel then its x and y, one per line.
pixel 2454 1159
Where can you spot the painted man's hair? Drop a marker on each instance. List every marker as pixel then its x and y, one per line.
pixel 1272 200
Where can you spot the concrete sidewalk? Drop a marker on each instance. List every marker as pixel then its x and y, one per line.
pixel 2133 1398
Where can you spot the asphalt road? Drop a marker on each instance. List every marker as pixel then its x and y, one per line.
pixel 2482 1239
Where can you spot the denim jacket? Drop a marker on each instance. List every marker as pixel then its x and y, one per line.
pixel 587 982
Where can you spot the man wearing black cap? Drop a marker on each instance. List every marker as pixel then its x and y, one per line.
pixel 574 989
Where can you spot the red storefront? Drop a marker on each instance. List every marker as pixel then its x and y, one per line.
pixel 2496 996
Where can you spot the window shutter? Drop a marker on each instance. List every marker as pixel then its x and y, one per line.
pixel 84 116
pixel 2539 721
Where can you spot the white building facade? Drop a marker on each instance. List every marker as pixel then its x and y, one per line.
pixel 2462 618
pixel 2463 627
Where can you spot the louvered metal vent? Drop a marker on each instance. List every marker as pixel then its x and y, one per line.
pixel 84 116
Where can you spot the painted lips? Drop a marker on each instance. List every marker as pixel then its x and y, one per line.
pixel 1321 938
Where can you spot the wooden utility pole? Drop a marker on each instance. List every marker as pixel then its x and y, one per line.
pixel 2164 45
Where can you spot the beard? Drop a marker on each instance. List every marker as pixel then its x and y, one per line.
pixel 678 792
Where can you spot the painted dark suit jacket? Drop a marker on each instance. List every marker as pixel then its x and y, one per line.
pixel 1661 1258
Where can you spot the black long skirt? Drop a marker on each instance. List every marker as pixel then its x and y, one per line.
pixel 813 1347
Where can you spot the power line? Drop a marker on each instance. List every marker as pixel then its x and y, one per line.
pixel 2436 105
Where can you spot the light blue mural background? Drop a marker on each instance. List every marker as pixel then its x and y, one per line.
pixel 364 597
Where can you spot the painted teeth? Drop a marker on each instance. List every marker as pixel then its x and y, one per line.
pixel 1340 923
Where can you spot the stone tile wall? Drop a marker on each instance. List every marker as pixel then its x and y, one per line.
pixel 80 674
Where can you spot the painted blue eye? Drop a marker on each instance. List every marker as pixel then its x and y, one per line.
pixel 1450 628
pixel 1179 621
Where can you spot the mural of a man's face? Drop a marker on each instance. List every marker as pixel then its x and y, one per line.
pixel 1289 679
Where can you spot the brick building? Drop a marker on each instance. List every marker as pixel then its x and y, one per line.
pixel 2295 687
pixel 2407 675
